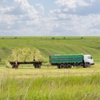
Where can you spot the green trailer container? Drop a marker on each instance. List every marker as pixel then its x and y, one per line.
pixel 66 61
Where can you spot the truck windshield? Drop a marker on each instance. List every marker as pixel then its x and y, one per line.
pixel 89 57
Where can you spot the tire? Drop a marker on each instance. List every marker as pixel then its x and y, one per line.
pixel 68 66
pixel 34 65
pixel 62 66
pixel 37 65
pixel 16 66
pixel 13 65
pixel 58 66
pixel 86 65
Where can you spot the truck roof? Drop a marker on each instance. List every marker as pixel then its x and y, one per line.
pixel 67 55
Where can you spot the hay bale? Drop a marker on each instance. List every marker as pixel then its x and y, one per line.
pixel 25 55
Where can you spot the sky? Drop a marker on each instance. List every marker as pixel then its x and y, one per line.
pixel 49 17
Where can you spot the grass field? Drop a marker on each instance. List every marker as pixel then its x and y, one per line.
pixel 52 45
pixel 27 83
pixel 50 83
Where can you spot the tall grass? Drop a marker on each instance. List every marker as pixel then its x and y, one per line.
pixel 48 87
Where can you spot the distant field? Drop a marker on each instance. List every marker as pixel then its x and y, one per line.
pixel 52 45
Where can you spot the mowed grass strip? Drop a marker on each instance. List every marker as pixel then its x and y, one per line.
pixel 28 71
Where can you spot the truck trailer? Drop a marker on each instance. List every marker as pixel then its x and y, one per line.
pixel 69 60
pixel 15 64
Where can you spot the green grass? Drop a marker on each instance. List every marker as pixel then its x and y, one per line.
pixel 28 83
pixel 48 88
pixel 53 45
pixel 50 83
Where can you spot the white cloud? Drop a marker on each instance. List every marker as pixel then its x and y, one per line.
pixel 19 16
pixel 79 7
pixel 40 7
pixel 71 4
pixel 69 24
pixel 72 17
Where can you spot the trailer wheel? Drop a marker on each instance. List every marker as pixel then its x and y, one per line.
pixel 16 65
pixel 37 65
pixel 13 65
pixel 34 65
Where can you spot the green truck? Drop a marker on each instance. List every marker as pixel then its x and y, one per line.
pixel 69 60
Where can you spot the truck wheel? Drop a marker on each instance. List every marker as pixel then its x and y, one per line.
pixel 68 66
pixel 58 66
pixel 62 66
pixel 86 65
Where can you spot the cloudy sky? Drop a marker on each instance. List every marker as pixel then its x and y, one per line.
pixel 49 17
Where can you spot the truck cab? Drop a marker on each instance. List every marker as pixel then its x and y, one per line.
pixel 88 59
